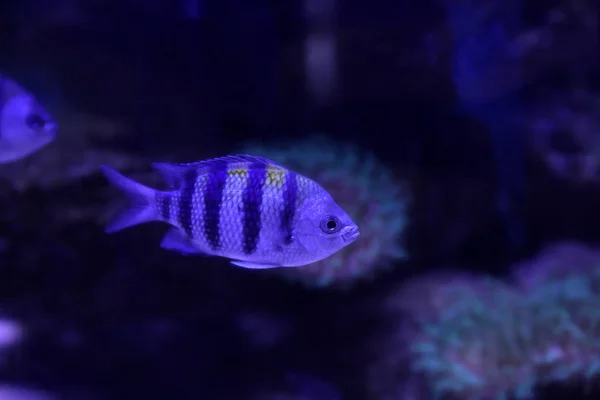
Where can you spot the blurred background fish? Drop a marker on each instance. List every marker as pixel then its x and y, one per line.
pixel 25 126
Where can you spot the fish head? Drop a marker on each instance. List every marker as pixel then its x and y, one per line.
pixel 323 227
pixel 25 126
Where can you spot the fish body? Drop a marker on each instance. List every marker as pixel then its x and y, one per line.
pixel 25 126
pixel 249 209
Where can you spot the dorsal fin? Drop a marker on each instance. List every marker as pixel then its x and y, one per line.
pixel 231 159
pixel 173 173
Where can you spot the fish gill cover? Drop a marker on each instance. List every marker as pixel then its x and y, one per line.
pixel 365 189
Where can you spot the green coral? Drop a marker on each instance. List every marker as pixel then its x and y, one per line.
pixel 562 288
pixel 479 338
pixel 472 348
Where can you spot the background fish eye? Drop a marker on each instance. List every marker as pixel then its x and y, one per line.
pixel 330 224
pixel 35 121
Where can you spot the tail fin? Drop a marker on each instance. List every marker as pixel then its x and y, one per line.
pixel 140 208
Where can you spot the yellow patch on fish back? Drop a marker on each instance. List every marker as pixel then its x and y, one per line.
pixel 238 172
pixel 275 176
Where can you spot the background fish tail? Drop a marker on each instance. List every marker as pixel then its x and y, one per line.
pixel 140 207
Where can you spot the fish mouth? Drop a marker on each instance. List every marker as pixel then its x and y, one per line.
pixel 351 234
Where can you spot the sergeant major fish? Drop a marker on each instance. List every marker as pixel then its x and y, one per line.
pixel 248 209
pixel 25 126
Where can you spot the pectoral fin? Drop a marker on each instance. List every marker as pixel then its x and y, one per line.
pixel 252 265
pixel 175 240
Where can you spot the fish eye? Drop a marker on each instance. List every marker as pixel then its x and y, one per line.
pixel 330 224
pixel 35 121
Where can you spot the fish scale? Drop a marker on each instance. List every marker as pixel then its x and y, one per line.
pixel 232 213
pixel 186 202
pixel 249 209
pixel 198 208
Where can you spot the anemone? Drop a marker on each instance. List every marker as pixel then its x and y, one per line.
pixel 467 337
pixel 556 262
pixel 469 341
pixel 365 189
pixel 565 330
pixel 561 290
pixel 563 131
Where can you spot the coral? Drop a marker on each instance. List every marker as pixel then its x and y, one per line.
pixel 470 337
pixel 564 328
pixel 365 189
pixel 463 338
pixel 555 263
pixel 561 288
pixel 432 296
pixel 563 130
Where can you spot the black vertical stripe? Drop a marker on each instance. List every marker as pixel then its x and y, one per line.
pixel 186 201
pixel 164 205
pixel 252 203
pixel 290 196
pixel 213 197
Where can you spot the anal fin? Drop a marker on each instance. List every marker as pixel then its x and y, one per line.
pixel 175 240
pixel 252 265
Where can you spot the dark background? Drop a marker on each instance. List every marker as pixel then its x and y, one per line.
pixel 116 317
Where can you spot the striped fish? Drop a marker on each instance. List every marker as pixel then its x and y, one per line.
pixel 248 209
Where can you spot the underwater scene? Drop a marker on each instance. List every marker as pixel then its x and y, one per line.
pixel 299 200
